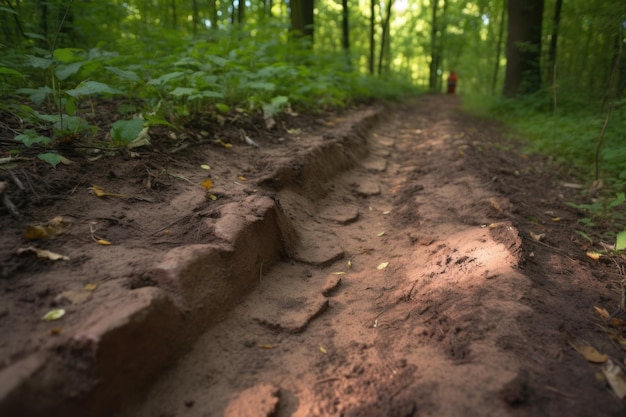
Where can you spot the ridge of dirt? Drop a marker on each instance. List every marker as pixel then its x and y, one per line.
pixel 396 275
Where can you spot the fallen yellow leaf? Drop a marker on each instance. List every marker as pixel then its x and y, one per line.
pixel 591 354
pixel 380 234
pixel 615 378
pixel 103 242
pixel 35 232
pixel 99 192
pixel 242 178
pixel 56 330
pixel 223 144
pixel 339 273
pixel 43 254
pixel 602 312
pixel 323 350
pixel 207 184
pixel 54 314
pixel 382 266
pixel 90 287
pixel 594 255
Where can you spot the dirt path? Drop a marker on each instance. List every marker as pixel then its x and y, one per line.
pixel 451 326
pixel 395 275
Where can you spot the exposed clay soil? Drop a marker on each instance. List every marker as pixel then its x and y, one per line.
pixel 394 273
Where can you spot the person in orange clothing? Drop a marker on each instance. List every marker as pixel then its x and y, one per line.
pixel 452 80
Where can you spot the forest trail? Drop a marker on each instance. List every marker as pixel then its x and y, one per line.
pixel 409 284
pixel 405 298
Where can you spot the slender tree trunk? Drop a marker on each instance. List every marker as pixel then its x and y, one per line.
pixel 43 23
pixel 345 32
pixel 301 14
pixel 195 18
pixel 556 20
pixel 213 14
pixel 384 41
pixel 174 15
pixel 434 58
pixel 523 47
pixel 496 69
pixel 372 35
pixel 241 11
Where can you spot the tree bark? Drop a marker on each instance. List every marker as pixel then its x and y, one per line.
pixel 384 39
pixel 372 36
pixel 496 68
pixel 302 19
pixel 345 32
pixel 523 47
pixel 556 20
pixel 434 57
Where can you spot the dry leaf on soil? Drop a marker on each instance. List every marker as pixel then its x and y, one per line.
pixel 99 192
pixel 207 184
pixel 53 314
pixel 43 254
pixel 615 378
pixel 602 312
pixel 591 354
pixel 382 266
pixel 594 255
pixel 52 228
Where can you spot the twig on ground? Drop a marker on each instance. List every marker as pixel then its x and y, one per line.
pixel 4 196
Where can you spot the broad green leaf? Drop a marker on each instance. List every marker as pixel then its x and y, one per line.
pixel 259 85
pixel 183 91
pixel 11 71
pixel 31 137
pixel 217 60
pixel 50 157
pixel 165 78
pixel 7 10
pixel 65 70
pixel 274 107
pixel 124 74
pixel 69 55
pixel 36 95
pixel 38 62
pixel 70 124
pixel 620 243
pixel 70 106
pixel 210 94
pixel 222 108
pixel 87 88
pixel 32 35
pixel 620 198
pixel 124 132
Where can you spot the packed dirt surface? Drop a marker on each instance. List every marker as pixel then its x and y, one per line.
pixel 405 260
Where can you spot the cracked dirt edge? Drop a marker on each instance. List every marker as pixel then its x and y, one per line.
pixel 197 284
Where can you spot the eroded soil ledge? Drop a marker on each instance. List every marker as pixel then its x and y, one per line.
pixel 376 264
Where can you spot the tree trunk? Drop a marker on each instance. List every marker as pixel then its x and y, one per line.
pixel 434 58
pixel 174 16
pixel 241 11
pixel 195 18
pixel 384 39
pixel 554 40
pixel 213 14
pixel 301 13
pixel 43 23
pixel 496 68
pixel 523 47
pixel 372 35
pixel 345 32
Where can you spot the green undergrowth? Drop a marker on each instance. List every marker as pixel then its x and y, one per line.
pixel 161 80
pixel 582 136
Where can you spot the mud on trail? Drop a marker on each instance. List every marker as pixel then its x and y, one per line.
pixel 381 263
